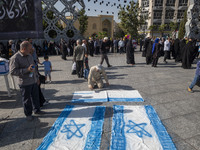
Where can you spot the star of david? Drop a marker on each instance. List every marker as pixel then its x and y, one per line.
pixel 73 129
pixel 137 129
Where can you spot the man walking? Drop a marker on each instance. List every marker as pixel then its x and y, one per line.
pixel 104 49
pixel 22 65
pixel 79 53
pixel 166 49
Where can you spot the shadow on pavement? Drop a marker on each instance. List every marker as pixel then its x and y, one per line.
pixel 19 129
pixel 118 76
pixel 69 81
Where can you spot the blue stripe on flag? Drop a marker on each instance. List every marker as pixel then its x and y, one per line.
pixel 94 136
pixel 89 100
pixel 55 128
pixel 118 140
pixel 125 99
pixel 82 93
pixel 165 139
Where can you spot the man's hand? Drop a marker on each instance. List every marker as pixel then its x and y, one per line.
pixel 107 84
pixel 90 87
pixel 31 68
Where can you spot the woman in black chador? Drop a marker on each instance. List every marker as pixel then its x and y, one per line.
pixel 130 53
pixel 156 52
pixel 149 52
pixel 188 54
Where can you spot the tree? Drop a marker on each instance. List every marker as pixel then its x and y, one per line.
pixel 173 26
pixel 118 31
pixel 181 32
pixel 102 35
pixel 130 18
pixel 152 28
pixel 83 21
pixel 161 29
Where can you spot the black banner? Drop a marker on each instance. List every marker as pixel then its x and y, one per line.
pixel 20 19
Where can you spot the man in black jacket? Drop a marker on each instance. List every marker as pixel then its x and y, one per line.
pixel 105 46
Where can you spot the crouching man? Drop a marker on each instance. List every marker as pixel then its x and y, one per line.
pixel 95 77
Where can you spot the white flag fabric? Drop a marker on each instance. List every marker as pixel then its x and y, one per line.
pixel 124 96
pixel 138 128
pixel 105 96
pixel 77 128
pixel 89 96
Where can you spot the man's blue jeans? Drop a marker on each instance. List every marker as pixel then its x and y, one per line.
pixel 196 78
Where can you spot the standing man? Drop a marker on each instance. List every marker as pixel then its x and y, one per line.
pixel 166 49
pixel 115 44
pixel 79 53
pixel 121 45
pixel 22 65
pixel 141 44
pixel 63 49
pixel 104 49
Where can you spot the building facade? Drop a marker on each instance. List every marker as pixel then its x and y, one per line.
pixel 96 24
pixel 157 12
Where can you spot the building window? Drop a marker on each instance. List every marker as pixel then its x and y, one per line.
pixel 158 2
pixel 157 25
pixel 169 14
pixel 157 14
pixel 144 26
pixel 94 26
pixel 145 14
pixel 180 14
pixel 167 27
pixel 170 2
pixel 183 2
pixel 145 3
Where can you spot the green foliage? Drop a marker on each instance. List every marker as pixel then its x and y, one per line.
pixel 102 35
pixel 119 32
pixel 181 32
pixel 161 29
pixel 152 28
pixel 131 19
pixel 173 26
pixel 83 21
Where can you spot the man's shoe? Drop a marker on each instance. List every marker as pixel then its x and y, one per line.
pixel 109 66
pixel 29 118
pixel 39 112
pixel 190 90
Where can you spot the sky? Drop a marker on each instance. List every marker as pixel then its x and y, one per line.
pixel 104 7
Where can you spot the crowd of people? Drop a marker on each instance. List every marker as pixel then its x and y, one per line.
pixel 24 61
pixel 184 51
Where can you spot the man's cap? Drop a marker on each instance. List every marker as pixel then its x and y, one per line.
pixel 105 38
pixel 98 67
pixel 10 41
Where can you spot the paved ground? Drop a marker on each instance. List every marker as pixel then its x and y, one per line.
pixel 163 87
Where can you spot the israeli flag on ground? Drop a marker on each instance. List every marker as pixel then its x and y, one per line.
pixel 138 128
pixel 77 128
pixel 105 96
pixel 89 96
pixel 124 96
